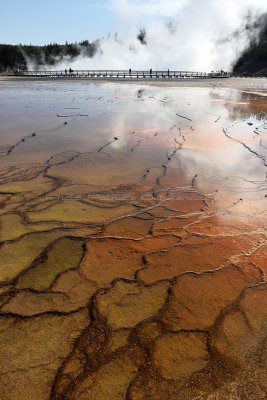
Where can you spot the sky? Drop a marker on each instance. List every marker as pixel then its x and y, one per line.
pixel 48 21
pixel 41 22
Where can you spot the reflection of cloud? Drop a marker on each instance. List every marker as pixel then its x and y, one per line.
pixel 205 150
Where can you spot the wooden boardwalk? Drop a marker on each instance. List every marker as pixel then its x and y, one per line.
pixel 122 74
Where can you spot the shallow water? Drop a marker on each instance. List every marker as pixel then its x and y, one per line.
pixel 133 242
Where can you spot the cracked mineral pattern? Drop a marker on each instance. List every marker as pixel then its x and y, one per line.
pixel 133 253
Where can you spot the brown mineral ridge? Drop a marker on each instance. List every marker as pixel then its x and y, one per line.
pixel 108 259
pixel 193 254
pixel 170 318
pixel 32 350
pixel 191 345
pixel 151 298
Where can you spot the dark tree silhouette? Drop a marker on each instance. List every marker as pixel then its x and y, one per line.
pixel 142 36
pixel 15 56
pixel 253 62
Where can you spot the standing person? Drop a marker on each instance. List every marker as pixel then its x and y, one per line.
pixel 168 72
pixel 150 71
pixel 130 71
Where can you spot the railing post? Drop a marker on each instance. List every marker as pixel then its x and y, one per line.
pixel 125 74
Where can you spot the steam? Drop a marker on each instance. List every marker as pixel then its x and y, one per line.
pixel 201 35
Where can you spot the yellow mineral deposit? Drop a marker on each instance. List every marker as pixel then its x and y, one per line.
pixel 133 243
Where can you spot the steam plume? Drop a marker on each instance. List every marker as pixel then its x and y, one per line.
pixel 201 35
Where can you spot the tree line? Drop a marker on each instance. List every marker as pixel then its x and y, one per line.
pixel 14 57
pixel 253 62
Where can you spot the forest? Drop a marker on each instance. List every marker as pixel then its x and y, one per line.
pixel 253 62
pixel 14 57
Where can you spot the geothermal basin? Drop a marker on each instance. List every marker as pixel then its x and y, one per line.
pixel 133 241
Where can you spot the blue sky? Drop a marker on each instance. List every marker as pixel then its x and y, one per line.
pixel 47 21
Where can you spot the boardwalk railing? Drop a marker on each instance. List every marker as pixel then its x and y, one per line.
pixel 129 74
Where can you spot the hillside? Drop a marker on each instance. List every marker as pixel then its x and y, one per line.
pixel 253 61
pixel 15 56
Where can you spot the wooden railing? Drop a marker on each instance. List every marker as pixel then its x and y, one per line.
pixel 122 74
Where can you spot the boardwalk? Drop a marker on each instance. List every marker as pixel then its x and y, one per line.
pixel 123 74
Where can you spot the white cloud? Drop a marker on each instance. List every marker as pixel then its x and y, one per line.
pixel 107 6
pixel 135 9
pixel 147 8
pixel 151 8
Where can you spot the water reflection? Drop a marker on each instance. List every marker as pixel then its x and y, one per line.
pixel 147 207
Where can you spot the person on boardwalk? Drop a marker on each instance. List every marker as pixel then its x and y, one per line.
pixel 130 71
pixel 168 72
pixel 150 71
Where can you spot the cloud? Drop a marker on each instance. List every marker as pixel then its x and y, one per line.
pixel 148 8
pixel 106 6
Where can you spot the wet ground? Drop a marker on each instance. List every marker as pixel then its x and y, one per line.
pixel 133 253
